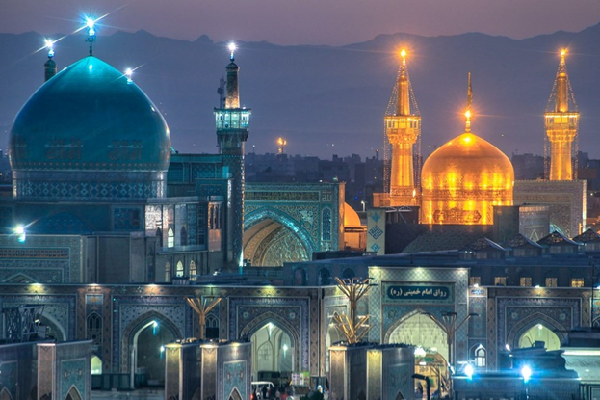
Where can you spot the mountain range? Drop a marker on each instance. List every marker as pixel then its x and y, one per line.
pixel 328 100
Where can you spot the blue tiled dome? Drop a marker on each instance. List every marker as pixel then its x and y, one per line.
pixel 90 117
pixel 89 134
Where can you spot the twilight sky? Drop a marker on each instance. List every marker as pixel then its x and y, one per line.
pixel 331 22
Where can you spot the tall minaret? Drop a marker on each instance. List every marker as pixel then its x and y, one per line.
pixel 403 128
pixel 232 134
pixel 562 125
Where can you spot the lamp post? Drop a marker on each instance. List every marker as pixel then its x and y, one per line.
pixel 449 326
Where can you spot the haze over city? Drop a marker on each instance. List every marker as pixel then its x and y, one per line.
pixel 333 22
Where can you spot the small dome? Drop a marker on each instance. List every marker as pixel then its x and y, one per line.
pixel 90 117
pixel 463 179
pixel 350 216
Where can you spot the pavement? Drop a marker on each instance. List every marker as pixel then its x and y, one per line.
pixel 138 394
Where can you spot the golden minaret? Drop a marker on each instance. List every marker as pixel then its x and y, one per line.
pixel 562 125
pixel 403 129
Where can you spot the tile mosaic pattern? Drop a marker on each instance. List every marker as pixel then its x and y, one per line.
pixel 385 317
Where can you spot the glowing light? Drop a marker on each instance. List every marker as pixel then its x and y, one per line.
pixel 232 48
pixel 128 74
pixel 403 53
pixel 19 231
pixel 154 324
pixel 420 352
pixel 468 114
pixel 49 44
pixel 526 372
pixel 162 349
pixel 469 370
pixel 507 347
pixel 539 326
pixel 563 52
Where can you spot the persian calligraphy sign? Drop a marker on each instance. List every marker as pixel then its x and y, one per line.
pixel 418 292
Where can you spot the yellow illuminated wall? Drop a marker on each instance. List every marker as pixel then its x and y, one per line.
pixel 463 180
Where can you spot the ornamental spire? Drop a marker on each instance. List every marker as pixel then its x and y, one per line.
pixel 468 106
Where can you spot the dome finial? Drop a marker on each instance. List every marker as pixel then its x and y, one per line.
pixel 232 47
pixel 89 25
pixel 468 107
pixel 49 66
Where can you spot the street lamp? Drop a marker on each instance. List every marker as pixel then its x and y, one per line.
pixel 526 372
pixel 427 381
pixel 449 326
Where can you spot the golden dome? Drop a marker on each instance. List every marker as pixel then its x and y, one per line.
pixel 350 216
pixel 463 179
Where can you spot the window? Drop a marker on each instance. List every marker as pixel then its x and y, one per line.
pixel 475 280
pixel 212 327
pixel 168 272
pixel 480 356
pixel 193 270
pixel 551 282
pixel 577 282
pixel 94 328
pixel 179 269
pixel 525 281
pixel 500 281
pixel 171 239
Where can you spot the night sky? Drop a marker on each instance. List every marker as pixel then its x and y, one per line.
pixel 331 22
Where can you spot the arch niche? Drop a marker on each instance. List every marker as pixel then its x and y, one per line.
pixel 235 394
pixel 272 238
pixel 527 331
pixel 143 349
pixel 274 346
pixel 73 394
pixel 419 330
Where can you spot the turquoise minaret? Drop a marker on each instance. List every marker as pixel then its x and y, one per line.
pixel 232 134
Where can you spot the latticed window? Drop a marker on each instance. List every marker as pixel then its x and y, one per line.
pixel 526 281
pixel 94 328
pixel 179 269
pixel 500 281
pixel 577 282
pixel 480 356
pixel 551 282
pixel 475 280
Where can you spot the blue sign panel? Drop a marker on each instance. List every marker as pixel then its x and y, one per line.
pixel 419 292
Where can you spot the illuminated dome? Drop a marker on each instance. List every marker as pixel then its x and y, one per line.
pixel 89 133
pixel 463 179
pixel 350 216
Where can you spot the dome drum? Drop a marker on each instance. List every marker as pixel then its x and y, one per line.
pixel 98 187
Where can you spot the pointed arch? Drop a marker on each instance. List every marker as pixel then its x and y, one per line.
pixel 136 326
pixel 5 394
pixel 73 394
pixel 234 394
pixel 283 219
pixel 260 321
pixel 531 321
pixel 179 269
